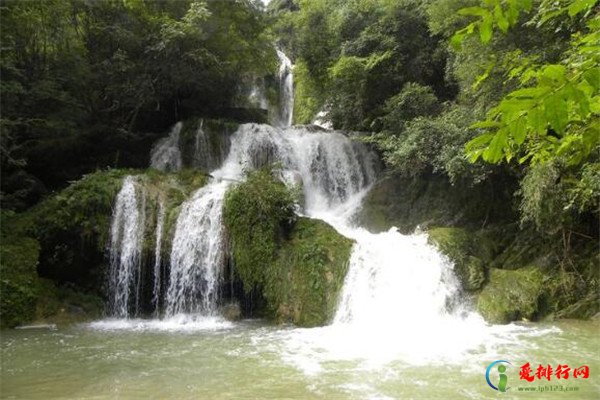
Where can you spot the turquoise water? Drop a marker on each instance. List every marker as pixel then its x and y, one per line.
pixel 251 359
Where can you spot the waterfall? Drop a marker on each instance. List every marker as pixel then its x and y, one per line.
pixel 331 166
pixel 126 235
pixel 166 155
pixel 197 255
pixel 286 91
pixel 203 156
pixel 389 274
pixel 392 277
pixel 160 222
pixel 397 275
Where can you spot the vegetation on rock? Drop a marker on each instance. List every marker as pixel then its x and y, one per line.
pixel 511 295
pixel 297 264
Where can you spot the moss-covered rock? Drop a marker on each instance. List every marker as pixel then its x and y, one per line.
pixel 309 274
pixel 258 214
pixel 18 279
pixel 431 200
pixel 511 295
pixel 458 245
pixel 73 226
pixel 204 143
pixel 65 305
pixel 297 265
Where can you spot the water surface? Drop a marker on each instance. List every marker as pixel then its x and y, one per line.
pixel 212 359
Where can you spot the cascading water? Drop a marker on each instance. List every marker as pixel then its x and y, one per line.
pixel 197 255
pixel 399 300
pixel 126 235
pixel 386 270
pixel 393 280
pixel 286 91
pixel 332 168
pixel 160 222
pixel 204 158
pixel 166 155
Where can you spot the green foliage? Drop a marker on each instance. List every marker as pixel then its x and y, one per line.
pixel 552 197
pixel 18 279
pixel 257 213
pixel 511 295
pixel 413 101
pixel 554 112
pixel 84 82
pixel 297 264
pixel 354 55
pixel 432 144
pixel 82 209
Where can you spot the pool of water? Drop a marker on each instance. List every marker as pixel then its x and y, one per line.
pixel 214 359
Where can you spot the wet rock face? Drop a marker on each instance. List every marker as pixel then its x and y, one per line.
pixel 458 245
pixel 231 311
pixel 511 295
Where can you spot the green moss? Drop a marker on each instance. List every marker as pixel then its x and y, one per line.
pixel 73 226
pixel 309 274
pixel 511 295
pixel 297 265
pixel 84 207
pixel 308 95
pixel 18 279
pixel 257 214
pixel 63 305
pixel 458 245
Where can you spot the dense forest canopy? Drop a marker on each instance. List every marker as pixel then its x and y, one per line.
pixel 90 84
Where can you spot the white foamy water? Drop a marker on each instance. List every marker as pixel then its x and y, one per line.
pixel 286 91
pixel 166 155
pixel 126 235
pixel 400 300
pixel 160 222
pixel 197 254
pixel 175 323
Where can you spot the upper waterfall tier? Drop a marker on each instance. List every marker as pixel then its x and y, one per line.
pixel 330 167
pixel 285 110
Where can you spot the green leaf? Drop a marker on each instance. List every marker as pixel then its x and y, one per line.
pixel 519 130
pixel 479 141
pixel 486 28
pixel 485 124
pixel 555 72
pixel 579 5
pixel 501 19
pixel 592 76
pixel 458 37
pixel 556 112
pixel 528 93
pixel 537 121
pixel 495 150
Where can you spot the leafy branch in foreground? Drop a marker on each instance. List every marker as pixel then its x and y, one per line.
pixel 555 112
